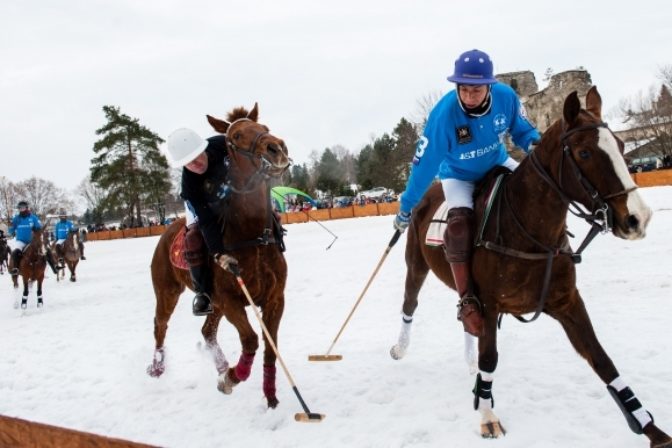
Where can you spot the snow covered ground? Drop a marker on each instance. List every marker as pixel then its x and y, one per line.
pixel 80 362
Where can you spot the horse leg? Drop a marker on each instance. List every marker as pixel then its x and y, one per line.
pixel 209 331
pixel 576 323
pixel 40 302
pixel 491 428
pixel 416 273
pixel 72 265
pixel 24 298
pixel 166 300
pixel 249 344
pixel 272 312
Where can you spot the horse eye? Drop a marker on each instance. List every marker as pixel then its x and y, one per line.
pixel 236 136
pixel 584 154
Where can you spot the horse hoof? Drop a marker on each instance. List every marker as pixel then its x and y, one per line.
pixel 492 430
pixel 397 352
pixel 155 370
pixel 225 384
pixel 272 402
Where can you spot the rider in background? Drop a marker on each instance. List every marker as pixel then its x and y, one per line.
pixel 22 227
pixel 463 139
pixel 61 230
pixel 204 190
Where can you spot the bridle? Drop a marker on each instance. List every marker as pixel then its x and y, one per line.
pixel 263 165
pixel 601 216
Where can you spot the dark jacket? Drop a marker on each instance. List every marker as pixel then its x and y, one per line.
pixel 206 192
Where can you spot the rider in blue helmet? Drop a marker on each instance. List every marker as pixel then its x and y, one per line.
pixel 463 139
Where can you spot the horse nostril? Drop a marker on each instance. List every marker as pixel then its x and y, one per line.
pixel 632 221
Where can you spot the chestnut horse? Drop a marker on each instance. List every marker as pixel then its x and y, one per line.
pixel 4 255
pixel 522 261
pixel 31 269
pixel 250 235
pixel 70 253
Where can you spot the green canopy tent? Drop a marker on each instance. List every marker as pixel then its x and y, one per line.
pixel 280 193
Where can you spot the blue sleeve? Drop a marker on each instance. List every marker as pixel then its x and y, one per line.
pixel 36 223
pixel 522 131
pixel 429 153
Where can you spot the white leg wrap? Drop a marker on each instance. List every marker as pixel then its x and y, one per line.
pixel 399 350
pixel 471 352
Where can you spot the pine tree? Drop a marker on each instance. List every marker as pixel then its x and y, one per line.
pixel 128 165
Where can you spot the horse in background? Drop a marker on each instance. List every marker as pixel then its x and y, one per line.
pixel 31 269
pixel 69 255
pixel 522 260
pixel 253 236
pixel 4 255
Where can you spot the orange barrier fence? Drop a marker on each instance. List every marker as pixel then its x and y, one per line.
pixel 647 179
pixel 355 211
pixel 16 432
pixel 653 178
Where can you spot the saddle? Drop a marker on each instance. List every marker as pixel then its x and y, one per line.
pixel 177 250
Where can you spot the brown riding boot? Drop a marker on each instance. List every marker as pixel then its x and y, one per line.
pixel 458 238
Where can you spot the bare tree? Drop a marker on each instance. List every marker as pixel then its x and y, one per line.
pixel 91 193
pixel 8 198
pixel 423 107
pixel 43 196
pixel 650 118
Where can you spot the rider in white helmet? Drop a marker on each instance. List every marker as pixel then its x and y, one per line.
pixel 204 190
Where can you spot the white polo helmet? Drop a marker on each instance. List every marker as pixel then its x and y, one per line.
pixel 184 145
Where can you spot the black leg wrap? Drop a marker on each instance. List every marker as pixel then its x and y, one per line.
pixel 628 403
pixel 482 391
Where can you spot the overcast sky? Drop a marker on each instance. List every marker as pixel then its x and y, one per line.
pixel 324 73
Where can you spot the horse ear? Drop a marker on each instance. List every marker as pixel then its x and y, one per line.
pixel 594 103
pixel 571 109
pixel 218 125
pixel 254 113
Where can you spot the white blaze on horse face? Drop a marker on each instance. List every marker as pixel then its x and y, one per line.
pixel 637 208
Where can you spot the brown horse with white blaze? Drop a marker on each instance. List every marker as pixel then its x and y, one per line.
pixel 31 269
pixel 522 261
pixel 251 235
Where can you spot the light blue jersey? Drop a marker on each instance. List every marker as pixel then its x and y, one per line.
pixel 458 146
pixel 23 226
pixel 62 229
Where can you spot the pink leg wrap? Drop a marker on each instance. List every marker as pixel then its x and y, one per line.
pixel 244 366
pixel 269 380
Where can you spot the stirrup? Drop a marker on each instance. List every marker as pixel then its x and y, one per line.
pixel 470 313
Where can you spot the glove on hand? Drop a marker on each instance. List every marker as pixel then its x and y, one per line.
pixel 401 221
pixel 533 146
pixel 226 261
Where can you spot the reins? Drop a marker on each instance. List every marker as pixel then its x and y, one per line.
pixel 600 219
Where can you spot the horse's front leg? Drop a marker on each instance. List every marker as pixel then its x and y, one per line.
pixel 235 313
pixel 271 315
pixel 24 297
pixel 491 428
pixel 40 302
pixel 576 323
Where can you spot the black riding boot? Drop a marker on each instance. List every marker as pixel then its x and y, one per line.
pixel 15 260
pixel 200 277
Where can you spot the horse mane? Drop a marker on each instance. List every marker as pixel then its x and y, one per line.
pixel 237 113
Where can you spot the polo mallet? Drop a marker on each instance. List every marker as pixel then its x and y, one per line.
pixel 325 228
pixel 306 416
pixel 327 356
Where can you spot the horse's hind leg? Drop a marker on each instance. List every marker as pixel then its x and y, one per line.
pixel 416 273
pixel 209 331
pixel 576 323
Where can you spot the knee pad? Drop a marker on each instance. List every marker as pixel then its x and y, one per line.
pixel 459 234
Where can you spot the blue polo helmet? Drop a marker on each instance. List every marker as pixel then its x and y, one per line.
pixel 473 67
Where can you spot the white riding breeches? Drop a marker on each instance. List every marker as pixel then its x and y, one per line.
pixel 460 193
pixel 16 244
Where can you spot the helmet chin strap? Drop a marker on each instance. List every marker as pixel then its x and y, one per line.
pixel 479 110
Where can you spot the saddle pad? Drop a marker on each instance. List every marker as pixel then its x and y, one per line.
pixel 177 258
pixel 437 226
